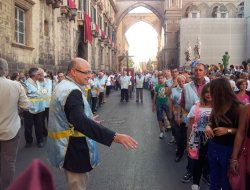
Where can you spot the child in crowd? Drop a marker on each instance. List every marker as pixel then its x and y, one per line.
pixel 204 109
pixel 160 102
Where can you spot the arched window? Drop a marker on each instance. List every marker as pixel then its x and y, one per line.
pixel 220 12
pixel 215 11
pixel 240 11
pixel 223 11
pixel 193 12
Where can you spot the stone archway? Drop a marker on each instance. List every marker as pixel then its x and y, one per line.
pixel 124 7
pixel 124 20
pixel 149 18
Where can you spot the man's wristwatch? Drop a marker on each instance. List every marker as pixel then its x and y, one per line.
pixel 229 131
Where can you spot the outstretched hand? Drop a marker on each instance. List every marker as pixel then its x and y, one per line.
pixel 125 140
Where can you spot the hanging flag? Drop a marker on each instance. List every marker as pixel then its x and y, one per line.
pixel 103 34
pixel 87 29
pixel 71 4
pixel 97 28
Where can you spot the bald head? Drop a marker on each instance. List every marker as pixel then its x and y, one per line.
pixel 79 70
pixel 40 73
pixel 76 63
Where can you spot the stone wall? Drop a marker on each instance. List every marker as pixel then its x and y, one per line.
pixel 247 16
pixel 52 39
pixel 216 37
pixel 51 51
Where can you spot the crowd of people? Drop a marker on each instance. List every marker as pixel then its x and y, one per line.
pixel 205 107
pixel 63 118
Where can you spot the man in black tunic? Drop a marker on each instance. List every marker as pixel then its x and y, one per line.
pixel 77 162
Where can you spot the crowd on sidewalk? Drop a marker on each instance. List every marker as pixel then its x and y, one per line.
pixel 206 110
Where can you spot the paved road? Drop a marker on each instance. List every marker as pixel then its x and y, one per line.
pixel 150 167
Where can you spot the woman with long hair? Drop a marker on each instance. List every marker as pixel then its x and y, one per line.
pixel 221 131
pixel 204 109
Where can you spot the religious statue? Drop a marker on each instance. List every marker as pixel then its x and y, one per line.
pixel 188 53
pixel 197 49
pixel 225 60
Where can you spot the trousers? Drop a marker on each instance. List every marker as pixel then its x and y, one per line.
pixel 139 94
pixel 218 159
pixel 36 120
pixel 76 181
pixel 8 154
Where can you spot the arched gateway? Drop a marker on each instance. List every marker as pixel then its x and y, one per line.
pixel 124 20
pixel 170 14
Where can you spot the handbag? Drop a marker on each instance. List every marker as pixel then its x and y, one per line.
pixel 194 140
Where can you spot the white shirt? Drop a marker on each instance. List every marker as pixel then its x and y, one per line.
pixel 124 80
pixel 203 116
pixel 108 83
pixel 12 95
pixel 139 81
pixel 232 83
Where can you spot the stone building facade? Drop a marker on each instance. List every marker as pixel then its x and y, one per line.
pixel 179 10
pixel 247 16
pixel 171 12
pixel 49 33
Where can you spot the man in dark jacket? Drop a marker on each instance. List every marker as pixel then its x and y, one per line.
pixel 70 108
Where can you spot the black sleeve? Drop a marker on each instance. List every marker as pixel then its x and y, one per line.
pixel 74 110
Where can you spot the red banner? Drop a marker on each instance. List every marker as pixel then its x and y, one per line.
pixel 97 28
pixel 87 29
pixel 71 4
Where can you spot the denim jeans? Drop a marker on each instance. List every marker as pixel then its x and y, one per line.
pixel 160 108
pixel 218 158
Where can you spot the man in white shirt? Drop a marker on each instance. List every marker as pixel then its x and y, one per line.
pixel 46 90
pixel 108 84
pixel 124 81
pixel 12 96
pixel 139 81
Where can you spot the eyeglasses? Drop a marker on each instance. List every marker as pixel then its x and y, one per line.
pixel 84 72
